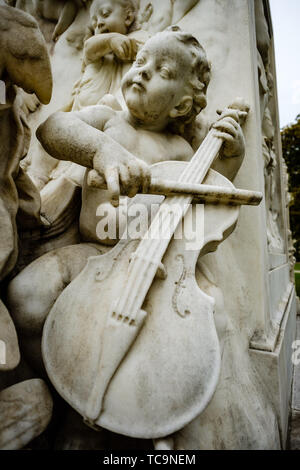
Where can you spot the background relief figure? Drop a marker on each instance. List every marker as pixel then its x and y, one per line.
pixel 116 143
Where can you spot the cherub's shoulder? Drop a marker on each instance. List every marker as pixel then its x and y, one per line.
pixel 179 148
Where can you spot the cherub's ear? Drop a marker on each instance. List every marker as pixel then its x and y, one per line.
pixel 182 108
pixel 129 18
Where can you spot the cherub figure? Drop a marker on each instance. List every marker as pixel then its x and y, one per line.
pixel 164 91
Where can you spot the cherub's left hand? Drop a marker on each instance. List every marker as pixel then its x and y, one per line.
pixel 228 129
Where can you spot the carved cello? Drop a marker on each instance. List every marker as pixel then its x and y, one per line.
pixel 131 343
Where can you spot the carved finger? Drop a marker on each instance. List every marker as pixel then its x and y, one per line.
pixel 132 49
pixel 243 114
pixel 224 126
pixel 224 136
pixel 135 179
pixel 120 53
pixel 94 179
pixel 146 179
pixel 234 114
pixel 230 120
pixel 125 179
pixel 125 49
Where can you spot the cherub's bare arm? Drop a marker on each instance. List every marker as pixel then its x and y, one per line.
pixel 74 136
pixel 96 47
pixel 101 44
pixel 78 137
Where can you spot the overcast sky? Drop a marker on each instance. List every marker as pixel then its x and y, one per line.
pixel 286 26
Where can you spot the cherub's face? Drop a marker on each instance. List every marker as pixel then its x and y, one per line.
pixel 158 80
pixel 110 16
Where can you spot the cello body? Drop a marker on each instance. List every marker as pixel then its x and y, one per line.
pixel 170 369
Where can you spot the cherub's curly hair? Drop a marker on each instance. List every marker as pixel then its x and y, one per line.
pixel 200 78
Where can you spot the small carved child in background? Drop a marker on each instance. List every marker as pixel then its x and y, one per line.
pixel 108 54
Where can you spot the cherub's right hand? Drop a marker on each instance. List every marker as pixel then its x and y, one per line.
pixel 123 47
pixel 124 174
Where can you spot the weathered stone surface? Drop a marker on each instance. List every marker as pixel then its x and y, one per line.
pixel 25 410
pixel 10 354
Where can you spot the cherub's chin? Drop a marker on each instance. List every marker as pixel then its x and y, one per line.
pixel 133 102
